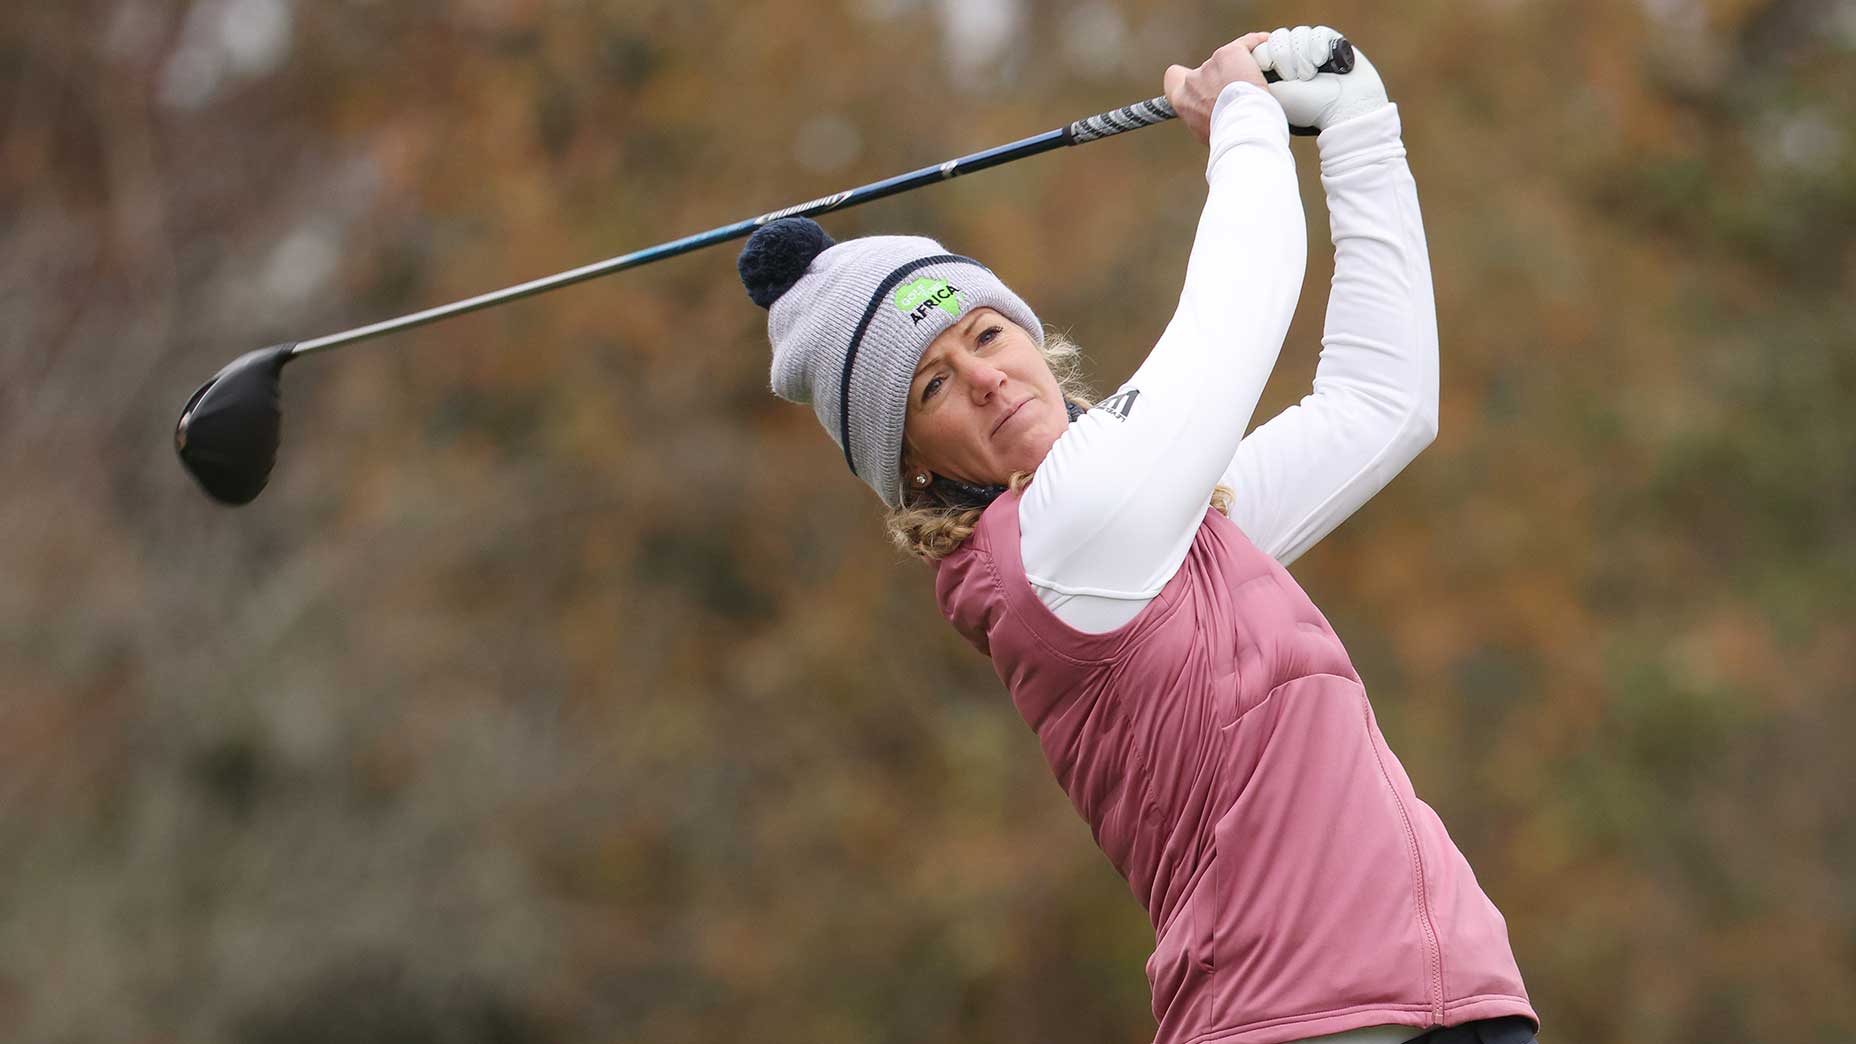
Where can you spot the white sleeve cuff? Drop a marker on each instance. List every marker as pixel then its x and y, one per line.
pixel 1367 138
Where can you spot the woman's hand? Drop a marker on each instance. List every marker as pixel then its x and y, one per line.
pixel 1310 97
pixel 1193 92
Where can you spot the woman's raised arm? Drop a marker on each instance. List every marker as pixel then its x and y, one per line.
pixel 1116 503
pixel 1374 403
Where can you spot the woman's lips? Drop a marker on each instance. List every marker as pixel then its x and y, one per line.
pixel 1009 414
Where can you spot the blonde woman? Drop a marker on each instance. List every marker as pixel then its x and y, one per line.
pixel 1123 564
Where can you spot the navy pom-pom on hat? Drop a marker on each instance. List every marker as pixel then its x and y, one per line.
pixel 777 255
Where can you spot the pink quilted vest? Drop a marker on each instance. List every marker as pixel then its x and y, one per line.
pixel 1224 754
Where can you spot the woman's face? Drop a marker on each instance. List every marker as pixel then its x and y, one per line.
pixel 983 404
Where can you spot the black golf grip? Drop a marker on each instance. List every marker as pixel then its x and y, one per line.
pixel 1159 110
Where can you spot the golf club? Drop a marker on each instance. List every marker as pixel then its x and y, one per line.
pixel 228 432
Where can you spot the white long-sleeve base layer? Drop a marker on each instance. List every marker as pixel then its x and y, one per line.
pixel 1119 498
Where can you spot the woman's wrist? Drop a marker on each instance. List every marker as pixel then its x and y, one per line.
pixel 1246 115
pixel 1366 138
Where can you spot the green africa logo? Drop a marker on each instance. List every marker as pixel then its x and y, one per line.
pixel 926 293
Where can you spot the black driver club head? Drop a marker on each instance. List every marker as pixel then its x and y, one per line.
pixel 227 434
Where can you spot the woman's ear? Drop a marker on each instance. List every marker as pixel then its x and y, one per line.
pixel 914 472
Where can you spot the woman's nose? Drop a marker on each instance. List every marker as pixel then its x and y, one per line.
pixel 984 380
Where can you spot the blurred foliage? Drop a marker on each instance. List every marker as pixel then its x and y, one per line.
pixel 563 688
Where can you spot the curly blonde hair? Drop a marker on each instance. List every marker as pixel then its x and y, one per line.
pixel 931 531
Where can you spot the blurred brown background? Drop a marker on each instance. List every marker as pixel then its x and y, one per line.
pixel 563 688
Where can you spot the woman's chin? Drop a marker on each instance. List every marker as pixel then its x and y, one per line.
pixel 1029 449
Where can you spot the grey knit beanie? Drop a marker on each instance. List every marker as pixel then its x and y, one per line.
pixel 850 320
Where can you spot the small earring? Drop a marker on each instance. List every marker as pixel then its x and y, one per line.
pixel 921 480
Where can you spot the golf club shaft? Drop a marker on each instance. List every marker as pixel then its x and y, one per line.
pixel 1102 125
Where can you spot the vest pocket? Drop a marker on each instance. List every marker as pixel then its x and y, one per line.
pixel 1179 963
pixel 1183 951
pixel 1204 913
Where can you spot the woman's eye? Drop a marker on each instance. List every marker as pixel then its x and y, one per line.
pixel 930 388
pixel 990 333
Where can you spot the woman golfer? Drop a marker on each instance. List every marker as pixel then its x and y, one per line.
pixel 1123 566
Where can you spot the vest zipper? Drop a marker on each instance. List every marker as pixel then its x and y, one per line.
pixel 1433 951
